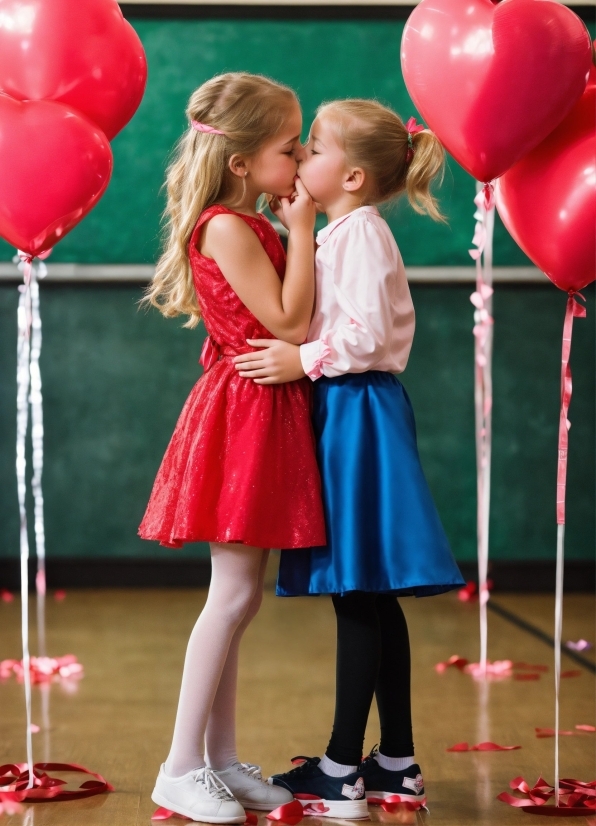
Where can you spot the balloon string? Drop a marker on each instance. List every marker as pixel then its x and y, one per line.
pixel 37 456
pixel 482 299
pixel 23 384
pixel 573 310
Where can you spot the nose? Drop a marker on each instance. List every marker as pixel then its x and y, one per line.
pixel 300 154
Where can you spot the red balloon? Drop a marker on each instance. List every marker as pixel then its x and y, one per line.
pixel 79 52
pixel 54 167
pixel 493 80
pixel 548 200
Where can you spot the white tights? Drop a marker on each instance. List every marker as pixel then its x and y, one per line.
pixel 205 726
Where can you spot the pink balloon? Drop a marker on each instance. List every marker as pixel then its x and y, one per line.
pixel 492 80
pixel 54 167
pixel 548 200
pixel 79 52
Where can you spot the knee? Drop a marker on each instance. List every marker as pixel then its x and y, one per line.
pixel 253 608
pixel 233 607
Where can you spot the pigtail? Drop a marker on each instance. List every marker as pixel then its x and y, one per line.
pixel 426 164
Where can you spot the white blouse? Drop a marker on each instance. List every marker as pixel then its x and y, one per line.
pixel 364 316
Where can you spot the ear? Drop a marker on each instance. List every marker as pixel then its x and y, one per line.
pixel 237 166
pixel 354 180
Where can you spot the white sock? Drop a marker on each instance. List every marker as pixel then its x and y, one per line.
pixel 333 769
pixel 394 764
pixel 236 577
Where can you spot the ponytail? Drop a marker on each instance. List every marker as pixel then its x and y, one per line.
pixel 427 163
pixel 375 138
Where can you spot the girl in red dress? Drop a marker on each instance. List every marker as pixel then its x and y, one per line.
pixel 240 471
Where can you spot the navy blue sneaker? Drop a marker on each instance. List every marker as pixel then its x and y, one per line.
pixel 382 785
pixel 342 797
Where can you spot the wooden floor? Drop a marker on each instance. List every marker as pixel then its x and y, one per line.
pixel 119 719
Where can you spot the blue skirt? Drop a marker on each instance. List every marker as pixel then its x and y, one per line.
pixel 383 531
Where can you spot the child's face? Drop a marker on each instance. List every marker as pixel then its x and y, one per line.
pixel 324 168
pixel 274 167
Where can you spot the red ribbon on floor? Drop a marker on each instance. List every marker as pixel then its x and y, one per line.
pixel 396 803
pixel 164 814
pixel 455 661
pixel 290 813
pixel 550 732
pixel 575 797
pixel 487 746
pixel 43 669
pixel 14 778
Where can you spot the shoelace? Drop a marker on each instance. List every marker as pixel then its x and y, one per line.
pixel 308 762
pixel 373 752
pixel 252 771
pixel 213 785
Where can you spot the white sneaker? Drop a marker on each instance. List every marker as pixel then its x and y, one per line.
pixel 199 795
pixel 249 787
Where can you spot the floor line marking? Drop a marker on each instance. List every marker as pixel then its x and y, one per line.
pixel 541 635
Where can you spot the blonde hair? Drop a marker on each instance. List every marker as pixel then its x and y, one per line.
pixel 250 110
pixel 375 138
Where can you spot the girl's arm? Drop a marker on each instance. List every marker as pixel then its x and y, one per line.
pixel 371 291
pixel 373 298
pixel 284 308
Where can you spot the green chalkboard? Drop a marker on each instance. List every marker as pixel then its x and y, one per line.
pixel 321 60
pixel 115 380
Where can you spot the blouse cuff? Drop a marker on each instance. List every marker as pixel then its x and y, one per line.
pixel 313 356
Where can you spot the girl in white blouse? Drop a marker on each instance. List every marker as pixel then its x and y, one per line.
pixel 384 536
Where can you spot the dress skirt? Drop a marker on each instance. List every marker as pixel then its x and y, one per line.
pixel 240 467
pixel 384 534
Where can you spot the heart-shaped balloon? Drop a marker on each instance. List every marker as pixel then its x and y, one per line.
pixel 54 167
pixel 79 52
pixel 548 200
pixel 493 80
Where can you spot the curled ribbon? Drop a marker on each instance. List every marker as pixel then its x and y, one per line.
pixel 575 797
pixel 482 299
pixel 15 780
pixel 574 310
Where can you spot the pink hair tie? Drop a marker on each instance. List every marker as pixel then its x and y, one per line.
pixel 412 128
pixel 204 127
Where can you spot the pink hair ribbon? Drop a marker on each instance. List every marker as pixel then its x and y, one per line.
pixel 412 128
pixel 204 127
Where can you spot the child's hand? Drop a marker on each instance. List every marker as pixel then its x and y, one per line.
pixel 275 363
pixel 299 211
pixel 276 207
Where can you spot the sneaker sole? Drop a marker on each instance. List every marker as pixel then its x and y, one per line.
pixel 344 810
pixel 391 797
pixel 261 807
pixel 156 797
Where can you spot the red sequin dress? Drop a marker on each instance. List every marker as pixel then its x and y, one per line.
pixel 241 465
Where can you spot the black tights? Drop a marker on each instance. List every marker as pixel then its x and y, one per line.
pixel 373 657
